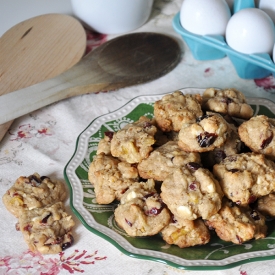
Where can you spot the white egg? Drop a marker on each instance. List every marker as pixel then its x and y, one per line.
pixel 205 17
pixel 250 31
pixel 268 6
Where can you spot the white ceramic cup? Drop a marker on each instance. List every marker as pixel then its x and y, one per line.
pixel 113 16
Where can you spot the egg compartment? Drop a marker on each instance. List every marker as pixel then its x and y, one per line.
pixel 212 47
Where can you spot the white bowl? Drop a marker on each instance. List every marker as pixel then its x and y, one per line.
pixel 113 16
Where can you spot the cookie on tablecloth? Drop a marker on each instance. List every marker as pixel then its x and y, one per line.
pixel 47 229
pixel 258 133
pixel 206 133
pixel 134 142
pixel 141 211
pixel 110 177
pixel 33 192
pixel 172 110
pixel 246 177
pixel 186 233
pixel 227 101
pixel 236 224
pixel 164 159
pixel 191 192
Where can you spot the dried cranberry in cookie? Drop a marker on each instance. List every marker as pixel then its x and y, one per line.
pixel 205 134
pixel 258 133
pixel 164 159
pixel 233 145
pixel 191 192
pixel 134 142
pixel 141 211
pixel 246 177
pixel 47 229
pixel 32 192
pixel 227 101
pixel 172 110
pixel 110 177
pixel 236 224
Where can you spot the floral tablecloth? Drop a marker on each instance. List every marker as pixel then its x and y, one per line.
pixel 44 141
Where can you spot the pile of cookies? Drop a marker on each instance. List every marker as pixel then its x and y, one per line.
pixel 37 202
pixel 194 167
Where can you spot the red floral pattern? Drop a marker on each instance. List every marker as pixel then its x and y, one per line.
pixel 36 263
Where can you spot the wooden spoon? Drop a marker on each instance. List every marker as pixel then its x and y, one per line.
pixel 123 61
pixel 38 49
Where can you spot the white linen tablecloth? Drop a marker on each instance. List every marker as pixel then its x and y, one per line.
pixel 44 141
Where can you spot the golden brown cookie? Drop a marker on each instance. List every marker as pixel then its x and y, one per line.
pixel 110 177
pixel 33 192
pixel 236 224
pixel 47 229
pixel 141 211
pixel 258 133
pixel 227 101
pixel 191 192
pixel 186 233
pixel 172 110
pixel 206 133
pixel 134 142
pixel 164 159
pixel 246 177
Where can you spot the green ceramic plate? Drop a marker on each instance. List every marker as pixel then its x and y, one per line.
pixel 99 219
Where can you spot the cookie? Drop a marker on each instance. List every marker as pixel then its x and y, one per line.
pixel 236 224
pixel 258 133
pixel 163 160
pixel 47 229
pixel 33 192
pixel 172 110
pixel 104 145
pixel 206 133
pixel 134 142
pixel 233 145
pixel 191 192
pixel 110 177
pixel 186 234
pixel 227 101
pixel 266 205
pixel 246 177
pixel 141 211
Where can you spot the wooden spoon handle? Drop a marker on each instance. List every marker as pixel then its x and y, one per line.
pixel 38 49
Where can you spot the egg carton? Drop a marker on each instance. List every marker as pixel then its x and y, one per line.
pixel 212 47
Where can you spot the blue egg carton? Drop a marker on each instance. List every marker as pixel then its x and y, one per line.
pixel 212 47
